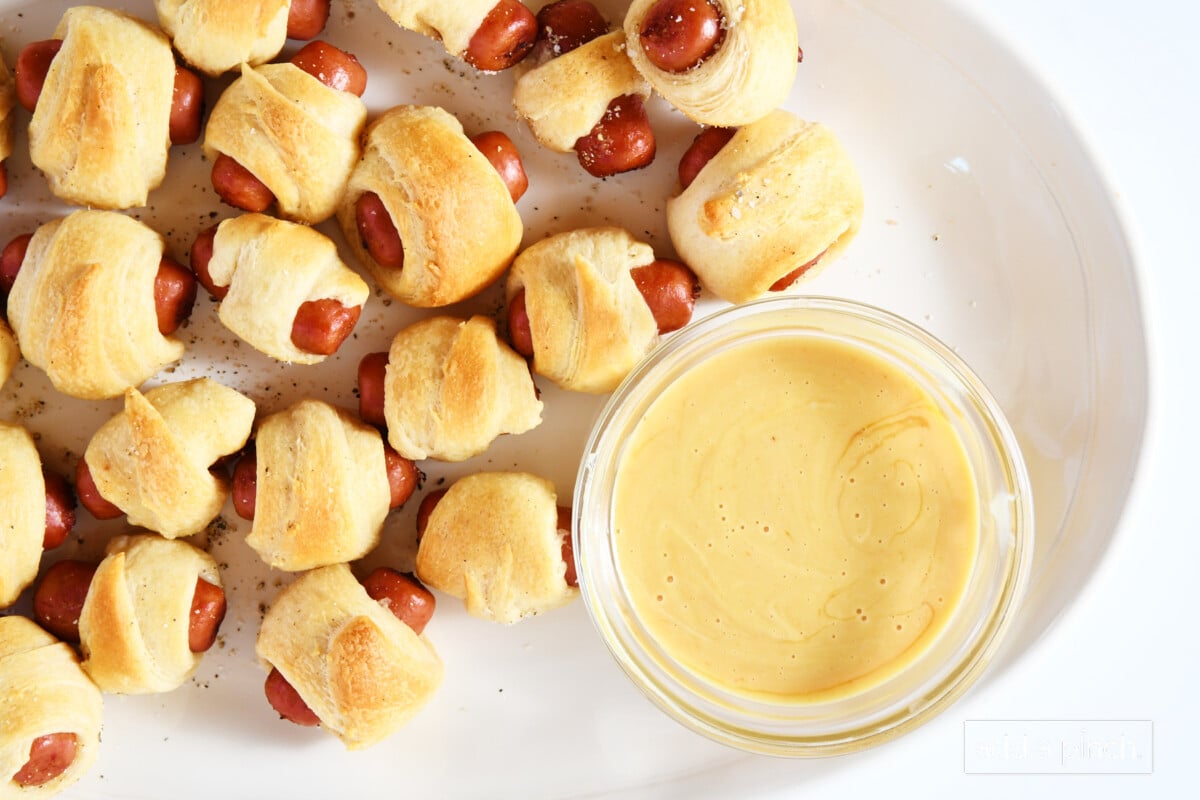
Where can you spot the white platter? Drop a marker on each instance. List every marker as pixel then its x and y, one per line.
pixel 987 223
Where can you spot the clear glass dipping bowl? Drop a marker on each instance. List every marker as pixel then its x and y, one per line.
pixel 947 667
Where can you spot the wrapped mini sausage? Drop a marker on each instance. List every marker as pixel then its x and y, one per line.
pixel 50 736
pixel 489 35
pixel 282 287
pixel 10 354
pixel 288 134
pixel 361 671
pixel 216 36
pixel 449 388
pixel 423 187
pixel 8 102
pixel 106 114
pixel 22 511
pixel 578 307
pixel 496 541
pixel 585 96
pixel 322 488
pixel 775 204
pixel 135 625
pixel 94 302
pixel 720 62
pixel 153 460
pixel 37 511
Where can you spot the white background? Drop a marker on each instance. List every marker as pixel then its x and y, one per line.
pixel 1129 76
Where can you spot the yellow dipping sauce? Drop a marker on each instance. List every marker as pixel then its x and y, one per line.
pixel 795 517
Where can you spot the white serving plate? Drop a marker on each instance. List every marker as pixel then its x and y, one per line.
pixel 987 222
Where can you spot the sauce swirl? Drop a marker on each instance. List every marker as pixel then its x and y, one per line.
pixel 795 519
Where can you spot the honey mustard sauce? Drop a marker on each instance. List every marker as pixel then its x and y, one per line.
pixel 795 518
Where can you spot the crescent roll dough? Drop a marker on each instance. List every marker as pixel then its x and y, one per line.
pixel 452 23
pixel 453 386
pixel 564 98
pixel 750 73
pixel 10 354
pixel 8 101
pixel 82 305
pixel 361 670
pixel 454 214
pixel 272 268
pixel 152 460
pixel 100 131
pixel 589 322
pixel 493 540
pixel 133 629
pixel 43 691
pixel 294 133
pixel 322 488
pixel 215 36
pixel 781 194
pixel 22 512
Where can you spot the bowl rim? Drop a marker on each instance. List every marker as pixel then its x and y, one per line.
pixel 988 635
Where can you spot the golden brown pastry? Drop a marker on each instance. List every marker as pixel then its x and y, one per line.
pixel 100 131
pixel 494 541
pixel 564 98
pixel 134 627
pixel 749 73
pixel 8 101
pixel 359 668
pixel 45 698
pixel 22 511
pixel 781 196
pixel 83 304
pixel 152 460
pixel 271 268
pixel 488 34
pixel 588 320
pixel 322 488
pixel 452 387
pixel 37 511
pixel 296 135
pixel 455 217
pixel 216 36
pixel 452 23
pixel 10 354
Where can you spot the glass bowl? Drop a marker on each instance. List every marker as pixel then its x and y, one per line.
pixel 924 680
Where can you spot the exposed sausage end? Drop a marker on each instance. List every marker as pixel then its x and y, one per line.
pixel 372 375
pixel 59 596
pixel 49 757
pixel 403 595
pixel 307 18
pixel 670 289
pixel 425 510
pixel 207 613
pixel 238 187
pixel 502 154
pixel 174 295
pixel 60 510
pixel 320 326
pixel 402 475
pixel 505 36
pixel 333 67
pixel 90 497
pixel 676 35
pixel 245 484
pixel 620 142
pixel 29 73
pixel 284 698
